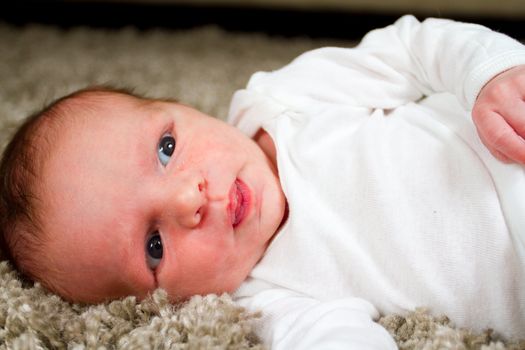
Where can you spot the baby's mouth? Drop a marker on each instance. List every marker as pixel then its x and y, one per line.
pixel 238 202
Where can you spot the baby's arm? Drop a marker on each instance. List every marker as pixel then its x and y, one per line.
pixel 391 66
pixel 293 321
pixel 499 115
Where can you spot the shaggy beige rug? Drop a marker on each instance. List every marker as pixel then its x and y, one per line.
pixel 200 67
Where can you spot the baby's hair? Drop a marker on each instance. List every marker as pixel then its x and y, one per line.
pixel 21 231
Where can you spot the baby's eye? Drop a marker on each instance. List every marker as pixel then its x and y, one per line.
pixel 166 148
pixel 154 250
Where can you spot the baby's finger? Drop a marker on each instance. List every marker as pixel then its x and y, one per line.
pixel 504 139
pixel 514 114
pixel 494 152
pixel 502 157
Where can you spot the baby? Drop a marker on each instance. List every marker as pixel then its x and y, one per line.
pixel 352 183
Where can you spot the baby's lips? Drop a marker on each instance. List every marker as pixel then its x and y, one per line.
pixel 242 202
pixel 232 205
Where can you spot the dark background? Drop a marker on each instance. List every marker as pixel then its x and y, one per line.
pixel 282 21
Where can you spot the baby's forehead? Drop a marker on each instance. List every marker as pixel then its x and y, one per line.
pixel 92 108
pixel 90 153
pixel 75 126
pixel 106 103
pixel 101 130
pixel 98 101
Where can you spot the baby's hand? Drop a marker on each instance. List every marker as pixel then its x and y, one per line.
pixel 499 115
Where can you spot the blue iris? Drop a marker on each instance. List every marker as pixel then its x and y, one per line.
pixel 154 250
pixel 166 148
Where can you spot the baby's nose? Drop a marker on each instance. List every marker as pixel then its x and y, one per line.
pixel 189 201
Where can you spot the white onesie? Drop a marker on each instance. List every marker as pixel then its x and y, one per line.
pixel 394 202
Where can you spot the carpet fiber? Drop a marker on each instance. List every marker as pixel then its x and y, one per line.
pixel 200 67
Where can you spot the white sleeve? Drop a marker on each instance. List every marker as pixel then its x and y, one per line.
pixel 390 67
pixel 293 321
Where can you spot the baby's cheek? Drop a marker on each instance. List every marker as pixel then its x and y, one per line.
pixel 196 270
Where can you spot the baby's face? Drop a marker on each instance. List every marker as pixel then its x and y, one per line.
pixel 143 194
